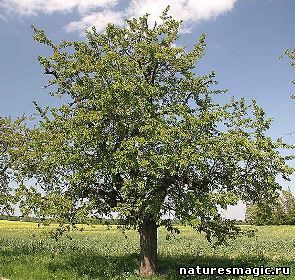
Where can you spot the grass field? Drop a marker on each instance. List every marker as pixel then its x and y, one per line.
pixel 27 253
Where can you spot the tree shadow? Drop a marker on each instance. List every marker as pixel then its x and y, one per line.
pixel 169 265
pixel 99 266
pixel 120 267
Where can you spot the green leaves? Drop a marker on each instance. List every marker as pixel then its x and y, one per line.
pixel 291 55
pixel 142 135
pixel 280 212
pixel 12 135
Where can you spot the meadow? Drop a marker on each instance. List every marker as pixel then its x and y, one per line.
pixel 28 253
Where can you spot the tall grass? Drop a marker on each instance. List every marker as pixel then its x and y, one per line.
pixel 27 252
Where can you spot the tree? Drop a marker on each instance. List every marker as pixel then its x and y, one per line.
pixel 4 178
pixel 10 133
pixel 259 215
pixel 287 202
pixel 281 212
pixel 142 136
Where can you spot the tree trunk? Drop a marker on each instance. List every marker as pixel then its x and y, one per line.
pixel 148 247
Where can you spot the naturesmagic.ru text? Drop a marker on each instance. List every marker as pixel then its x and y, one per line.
pixel 254 271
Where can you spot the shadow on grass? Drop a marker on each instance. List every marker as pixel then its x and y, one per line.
pixel 121 267
pixel 169 266
pixel 97 266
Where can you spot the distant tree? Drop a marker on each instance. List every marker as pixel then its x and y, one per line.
pixel 4 159
pixel 280 212
pixel 287 202
pixel 142 136
pixel 259 215
pixel 9 139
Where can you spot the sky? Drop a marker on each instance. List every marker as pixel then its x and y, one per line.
pixel 245 39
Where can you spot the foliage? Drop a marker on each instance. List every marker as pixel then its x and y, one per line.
pixel 291 55
pixel 10 139
pixel 143 136
pixel 99 253
pixel 282 212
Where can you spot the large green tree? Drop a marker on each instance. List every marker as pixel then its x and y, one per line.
pixel 142 136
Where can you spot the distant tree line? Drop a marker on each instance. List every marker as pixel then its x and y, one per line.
pixel 94 221
pixel 282 212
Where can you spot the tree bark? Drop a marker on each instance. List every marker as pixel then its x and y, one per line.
pixel 148 247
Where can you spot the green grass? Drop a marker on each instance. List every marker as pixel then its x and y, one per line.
pixel 27 253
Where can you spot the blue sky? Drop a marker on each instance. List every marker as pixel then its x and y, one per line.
pixel 244 41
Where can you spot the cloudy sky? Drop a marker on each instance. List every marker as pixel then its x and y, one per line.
pixel 244 41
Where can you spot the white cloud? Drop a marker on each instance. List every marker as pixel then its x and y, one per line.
pixel 99 12
pixel 99 20
pixel 33 7
pixel 190 11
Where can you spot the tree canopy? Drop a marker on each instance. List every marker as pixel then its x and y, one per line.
pixel 143 136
